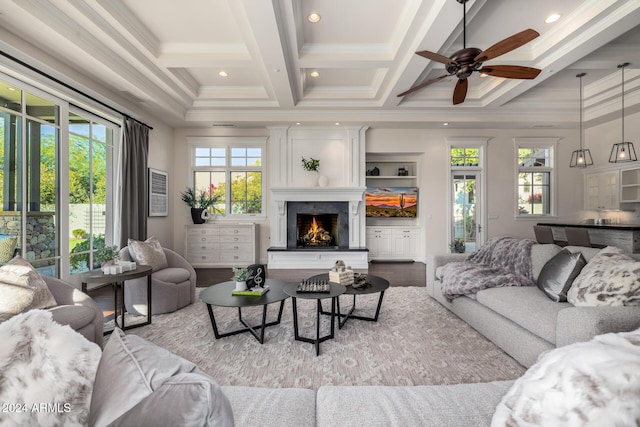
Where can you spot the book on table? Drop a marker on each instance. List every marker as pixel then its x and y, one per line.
pixel 256 291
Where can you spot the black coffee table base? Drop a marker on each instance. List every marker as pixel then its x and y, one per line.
pixel 318 339
pixel 248 328
pixel 343 317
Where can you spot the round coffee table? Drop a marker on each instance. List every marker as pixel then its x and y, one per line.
pixel 220 296
pixel 291 289
pixel 375 284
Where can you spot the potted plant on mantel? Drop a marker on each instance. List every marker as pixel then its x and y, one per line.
pixel 313 165
pixel 199 203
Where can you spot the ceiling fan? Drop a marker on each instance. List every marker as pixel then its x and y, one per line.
pixel 467 60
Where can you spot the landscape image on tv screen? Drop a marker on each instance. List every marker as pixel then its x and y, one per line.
pixel 392 202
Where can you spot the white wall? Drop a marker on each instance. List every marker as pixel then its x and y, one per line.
pixel 180 180
pixel 429 147
pixel 161 140
pixel 500 176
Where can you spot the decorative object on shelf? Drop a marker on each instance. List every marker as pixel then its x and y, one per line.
pixel 199 202
pixel 341 273
pixel 257 275
pixel 323 181
pixel 311 165
pixel 240 276
pixel 623 151
pixel 402 171
pixel 375 171
pixel 581 158
pixel 457 246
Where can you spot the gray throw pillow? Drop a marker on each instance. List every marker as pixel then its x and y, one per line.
pixel 149 252
pixel 132 371
pixel 22 289
pixel 558 274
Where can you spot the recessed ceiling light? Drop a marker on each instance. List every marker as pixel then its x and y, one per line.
pixel 445 124
pixel 552 18
pixel 313 17
pixel 298 123
pixel 314 74
pixel 223 74
pixel 337 123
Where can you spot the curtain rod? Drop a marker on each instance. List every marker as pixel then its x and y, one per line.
pixel 68 86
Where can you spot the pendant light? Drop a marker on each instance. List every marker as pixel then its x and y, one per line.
pixel 581 158
pixel 623 151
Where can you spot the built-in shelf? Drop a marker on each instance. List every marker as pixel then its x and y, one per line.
pixel 630 185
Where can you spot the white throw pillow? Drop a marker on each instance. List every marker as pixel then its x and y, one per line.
pixel 22 289
pixel 595 383
pixel 149 252
pixel 610 278
pixel 47 372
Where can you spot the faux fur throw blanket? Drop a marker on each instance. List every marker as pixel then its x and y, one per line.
pixel 46 372
pixel 502 261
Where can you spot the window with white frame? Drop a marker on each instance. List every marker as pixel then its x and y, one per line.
pixel 230 170
pixel 535 176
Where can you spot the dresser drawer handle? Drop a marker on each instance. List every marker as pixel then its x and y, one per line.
pixel 235 257
pixel 203 247
pixel 236 231
pixel 235 239
pixel 204 239
pixel 203 257
pixel 235 247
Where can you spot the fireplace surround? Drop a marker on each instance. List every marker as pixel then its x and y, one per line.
pixel 331 217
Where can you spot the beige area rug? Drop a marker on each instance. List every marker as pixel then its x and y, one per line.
pixel 416 341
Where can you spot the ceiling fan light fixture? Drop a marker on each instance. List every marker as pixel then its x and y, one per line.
pixel 581 158
pixel 622 152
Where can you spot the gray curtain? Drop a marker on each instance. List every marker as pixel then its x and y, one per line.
pixel 133 208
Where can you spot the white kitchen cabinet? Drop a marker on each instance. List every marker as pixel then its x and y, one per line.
pixel 221 245
pixel 602 190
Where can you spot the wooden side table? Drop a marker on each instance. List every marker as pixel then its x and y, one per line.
pixel 97 277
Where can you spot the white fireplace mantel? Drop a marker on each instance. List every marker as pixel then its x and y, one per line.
pixel 341 155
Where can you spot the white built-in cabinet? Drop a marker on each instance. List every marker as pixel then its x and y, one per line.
pixel 221 245
pixel 602 190
pixel 630 185
pixel 392 238
pixel 392 242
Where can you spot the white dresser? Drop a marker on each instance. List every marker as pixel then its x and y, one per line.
pixel 221 245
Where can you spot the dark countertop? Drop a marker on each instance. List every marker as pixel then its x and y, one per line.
pixel 627 227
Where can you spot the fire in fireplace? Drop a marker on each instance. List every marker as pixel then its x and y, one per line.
pixel 317 225
pixel 317 232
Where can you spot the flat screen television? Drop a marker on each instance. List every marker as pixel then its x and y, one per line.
pixel 391 202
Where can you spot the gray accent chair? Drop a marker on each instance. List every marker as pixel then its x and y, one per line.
pixel 172 288
pixel 76 309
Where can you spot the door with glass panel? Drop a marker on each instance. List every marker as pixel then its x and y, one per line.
pixel 465 210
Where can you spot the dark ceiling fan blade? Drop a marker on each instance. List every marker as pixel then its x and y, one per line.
pixel 421 85
pixel 435 57
pixel 460 92
pixel 510 71
pixel 507 45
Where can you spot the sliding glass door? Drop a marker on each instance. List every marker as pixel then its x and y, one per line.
pixel 56 170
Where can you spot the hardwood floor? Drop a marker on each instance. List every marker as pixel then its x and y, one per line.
pixel 398 274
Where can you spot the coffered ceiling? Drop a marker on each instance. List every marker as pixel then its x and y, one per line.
pixel 167 56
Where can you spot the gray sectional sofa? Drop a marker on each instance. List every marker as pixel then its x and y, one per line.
pixel 523 321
